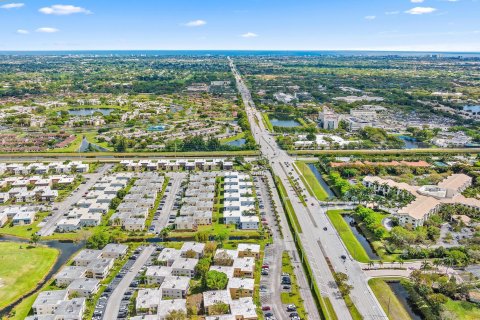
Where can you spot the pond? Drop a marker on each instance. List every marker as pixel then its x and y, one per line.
pixel 412 143
pixel 360 237
pixel 66 249
pixel 85 143
pixel 320 180
pixel 472 109
pixel 402 295
pixel 286 123
pixel 237 143
pixel 89 111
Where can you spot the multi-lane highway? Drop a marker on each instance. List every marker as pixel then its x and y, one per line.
pixel 318 244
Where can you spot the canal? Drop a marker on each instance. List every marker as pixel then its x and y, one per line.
pixel 360 237
pixel 402 295
pixel 320 180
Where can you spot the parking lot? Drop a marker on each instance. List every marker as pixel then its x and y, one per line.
pixel 169 204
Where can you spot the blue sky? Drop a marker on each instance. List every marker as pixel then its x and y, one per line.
pixel 428 25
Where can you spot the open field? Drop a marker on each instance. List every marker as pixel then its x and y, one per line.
pixel 348 238
pixel 22 268
pixel 309 179
pixel 387 298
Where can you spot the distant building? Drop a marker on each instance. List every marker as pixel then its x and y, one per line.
pixel 328 119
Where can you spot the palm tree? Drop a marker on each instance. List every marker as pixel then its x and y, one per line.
pixel 380 262
pixel 371 263
pixel 425 266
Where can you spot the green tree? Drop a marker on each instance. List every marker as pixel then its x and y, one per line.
pixel 176 315
pixel 216 280
pixel 34 238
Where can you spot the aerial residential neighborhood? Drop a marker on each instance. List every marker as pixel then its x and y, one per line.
pixel 240 160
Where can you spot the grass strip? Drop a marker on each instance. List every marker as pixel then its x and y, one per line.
pixel 351 242
pixel 309 179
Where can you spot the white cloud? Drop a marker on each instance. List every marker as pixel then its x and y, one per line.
pixel 249 35
pixel 390 13
pixel 23 31
pixel 421 10
pixel 416 1
pixel 47 30
pixel 196 23
pixel 63 10
pixel 12 5
pixel 370 17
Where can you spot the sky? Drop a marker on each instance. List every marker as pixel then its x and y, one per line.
pixel 389 25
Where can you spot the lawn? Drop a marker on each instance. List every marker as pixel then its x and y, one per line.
pixel 388 300
pixel 92 138
pixel 463 310
pixel 348 238
pixel 22 268
pixel 311 182
pixel 72 147
pixel 292 297
pixel 266 122
pixel 24 231
pixel 233 138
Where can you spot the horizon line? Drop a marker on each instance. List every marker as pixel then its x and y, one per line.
pixel 244 50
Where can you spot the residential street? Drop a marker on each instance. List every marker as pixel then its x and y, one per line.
pixel 113 303
pixel 65 206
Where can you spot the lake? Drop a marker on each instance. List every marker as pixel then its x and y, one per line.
pixel 89 111
pixel 286 123
pixel 237 143
pixel 412 143
pixel 472 109
pixel 360 237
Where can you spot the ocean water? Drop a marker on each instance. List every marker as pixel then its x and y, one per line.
pixel 239 53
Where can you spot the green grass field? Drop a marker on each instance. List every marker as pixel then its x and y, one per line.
pixel 463 310
pixel 233 138
pixel 72 147
pixel 348 238
pixel 311 182
pixel 388 300
pixel 21 269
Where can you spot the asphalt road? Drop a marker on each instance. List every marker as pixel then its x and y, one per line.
pixel 319 245
pixel 113 303
pixel 65 206
pixel 279 246
pixel 176 179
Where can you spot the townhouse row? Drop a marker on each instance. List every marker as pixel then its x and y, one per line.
pixel 177 164
pixel 94 204
pixel 133 212
pixel 80 280
pixel 33 189
pixel 42 168
pixel 239 201
pixel 198 202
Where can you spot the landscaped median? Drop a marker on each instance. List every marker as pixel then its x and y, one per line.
pixel 324 306
pixel 22 268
